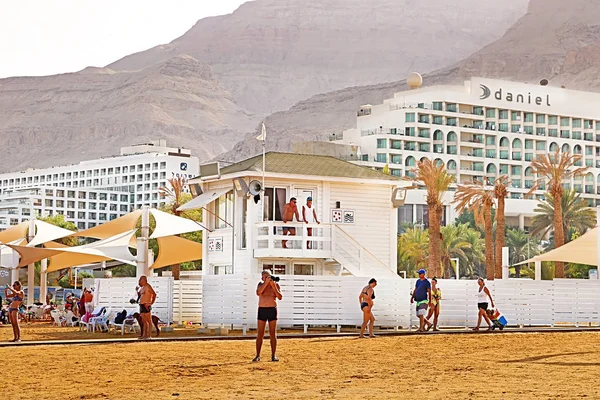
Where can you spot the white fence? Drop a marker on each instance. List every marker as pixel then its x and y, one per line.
pixel 187 300
pixel 116 293
pixel 324 300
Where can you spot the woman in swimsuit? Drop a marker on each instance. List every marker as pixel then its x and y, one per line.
pixel 366 297
pixel 16 296
pixel 436 297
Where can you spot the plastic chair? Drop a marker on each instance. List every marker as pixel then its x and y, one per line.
pixel 69 321
pixel 57 319
pixel 128 325
pixel 101 321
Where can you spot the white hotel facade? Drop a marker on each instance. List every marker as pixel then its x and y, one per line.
pixel 481 130
pixel 96 191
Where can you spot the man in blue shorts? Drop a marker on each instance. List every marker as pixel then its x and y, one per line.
pixel 422 295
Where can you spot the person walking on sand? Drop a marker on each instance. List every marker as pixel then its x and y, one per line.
pixel 422 295
pixel 268 292
pixel 366 297
pixel 309 216
pixel 290 211
pixel 147 297
pixel 434 310
pixel 16 296
pixel 482 304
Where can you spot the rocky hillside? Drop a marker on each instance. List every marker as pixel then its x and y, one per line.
pixel 273 53
pixel 72 117
pixel 561 44
pixel 215 83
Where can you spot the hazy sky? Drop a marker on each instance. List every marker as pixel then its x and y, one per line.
pixel 44 37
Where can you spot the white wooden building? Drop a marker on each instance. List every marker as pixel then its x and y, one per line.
pixel 357 234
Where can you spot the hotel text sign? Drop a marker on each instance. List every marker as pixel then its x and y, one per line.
pixel 524 98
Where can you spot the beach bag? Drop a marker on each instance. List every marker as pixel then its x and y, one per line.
pixel 121 317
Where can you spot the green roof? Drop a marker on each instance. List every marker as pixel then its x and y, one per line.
pixel 307 164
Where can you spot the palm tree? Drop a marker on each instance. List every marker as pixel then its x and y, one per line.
pixel 576 214
pixel 412 250
pixel 436 180
pixel 455 245
pixel 522 247
pixel 553 170
pixel 476 256
pixel 479 200
pixel 175 193
pixel 500 193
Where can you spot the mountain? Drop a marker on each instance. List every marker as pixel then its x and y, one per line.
pixel 215 83
pixel 561 44
pixel 273 53
pixel 72 117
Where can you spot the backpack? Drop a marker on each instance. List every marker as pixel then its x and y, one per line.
pixel 121 317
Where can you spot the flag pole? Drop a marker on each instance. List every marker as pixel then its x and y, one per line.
pixel 264 137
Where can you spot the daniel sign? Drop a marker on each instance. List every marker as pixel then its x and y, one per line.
pixel 534 98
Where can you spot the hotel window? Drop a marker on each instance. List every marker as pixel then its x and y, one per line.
pixel 516 183
pixel 438 106
pixel 123 208
pixel 516 155
pixel 81 205
pixel 503 114
pixel 490 153
pixel 478 110
pixel 438 148
pixel 589 150
pixel 396 172
pixel 588 124
pixel 451 107
pixel 540 119
pixel 71 194
pixel 540 131
pixel 552 120
pixel 553 132
pixel 163 165
pixel 588 136
pixel 396 144
pixel 381 143
pixel 528 156
pixel 451 149
pixel 155 176
pixel 490 113
pixel 409 131
pixel 405 216
pixel 49 192
pixel 114 216
pixel 96 182
pixel 576 123
pixel 103 171
pixel 503 127
pixel 490 140
pixel 438 120
pixel 147 167
pixel 113 197
pixel 565 134
pixel 81 195
pixel 451 121
pixel 155 165
pixel 565 121
pixel 424 147
pixel 504 154
pixel 124 198
pixel 396 159
pixel 424 119
pixel 515 128
pixel 381 157
pixel 102 196
pixel 528 117
pixel 140 167
pixel 81 215
pixel 516 116
pixel 60 203
pixel 48 203
pixel 92 206
pixel 70 204
pixel 528 144
pixel 504 142
pixel 528 130
pixel 540 145
pixel 424 133
pixel 102 217
pixel 576 135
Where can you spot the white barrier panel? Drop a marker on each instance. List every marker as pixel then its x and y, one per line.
pixel 116 293
pixel 187 300
pixel 307 301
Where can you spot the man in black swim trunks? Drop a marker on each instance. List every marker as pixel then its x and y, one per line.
pixel 147 297
pixel 268 293
pixel 290 211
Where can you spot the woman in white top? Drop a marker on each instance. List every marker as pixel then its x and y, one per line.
pixel 482 304
pixel 309 216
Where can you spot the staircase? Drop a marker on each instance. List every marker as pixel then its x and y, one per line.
pixel 355 258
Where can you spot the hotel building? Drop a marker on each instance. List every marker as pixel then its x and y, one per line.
pixel 93 192
pixel 481 130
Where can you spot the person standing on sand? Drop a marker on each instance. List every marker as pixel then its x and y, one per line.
pixel 268 293
pixel 366 297
pixel 422 295
pixel 290 211
pixel 147 297
pixel 16 296
pixel 436 299
pixel 482 295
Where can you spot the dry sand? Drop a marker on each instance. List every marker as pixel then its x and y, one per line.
pixel 506 366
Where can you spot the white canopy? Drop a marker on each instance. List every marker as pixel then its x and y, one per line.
pixel 204 199
pixel 46 232
pixel 174 250
pixel 583 250
pixel 8 257
pixel 168 225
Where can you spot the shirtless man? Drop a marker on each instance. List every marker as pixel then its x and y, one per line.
pixel 290 211
pixel 147 297
pixel 268 293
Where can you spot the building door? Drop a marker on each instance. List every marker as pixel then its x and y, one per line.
pixel 301 194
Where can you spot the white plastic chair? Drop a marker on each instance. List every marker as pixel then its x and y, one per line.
pixel 69 319
pixel 128 325
pixel 100 321
pixel 57 319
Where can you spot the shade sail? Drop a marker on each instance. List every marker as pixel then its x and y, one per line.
pixel 14 233
pixel 114 227
pixel 583 250
pixel 114 248
pixel 168 225
pixel 175 250
pixel 46 232
pixel 9 258
pixel 68 260
pixel 204 199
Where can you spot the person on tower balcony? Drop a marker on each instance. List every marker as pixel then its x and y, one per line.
pixel 290 211
pixel 309 215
